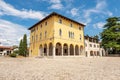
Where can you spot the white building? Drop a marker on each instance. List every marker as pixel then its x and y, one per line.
pixel 92 47
pixel 5 50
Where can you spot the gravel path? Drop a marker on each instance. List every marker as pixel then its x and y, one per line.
pixel 102 68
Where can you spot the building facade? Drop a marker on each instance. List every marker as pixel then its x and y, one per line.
pixel 92 47
pixel 5 50
pixel 57 35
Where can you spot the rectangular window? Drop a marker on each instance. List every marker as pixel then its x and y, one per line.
pixel 80 36
pixel 45 23
pixel 90 45
pixel 32 38
pixel 36 37
pixel 45 34
pixel 71 25
pixel 60 21
pixel 40 36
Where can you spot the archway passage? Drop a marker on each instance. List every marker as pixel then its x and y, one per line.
pixel 58 49
pixel 50 49
pixel 91 53
pixel 71 49
pixel 81 49
pixel 98 54
pixel 65 49
pixel 76 50
pixel 45 50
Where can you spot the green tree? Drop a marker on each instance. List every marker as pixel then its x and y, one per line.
pixel 21 47
pixel 111 34
pixel 25 52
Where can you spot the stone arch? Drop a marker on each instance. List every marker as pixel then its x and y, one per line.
pixel 86 54
pixel 81 49
pixel 91 53
pixel 58 49
pixel 50 49
pixel 45 49
pixel 71 49
pixel 76 50
pixel 65 49
pixel 98 53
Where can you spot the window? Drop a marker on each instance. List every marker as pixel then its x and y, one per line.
pixel 73 35
pixel 71 25
pixel 86 44
pixel 40 35
pixel 45 34
pixel 80 36
pixel 79 28
pixel 60 21
pixel 90 45
pixel 94 45
pixel 37 28
pixel 45 23
pixel 60 32
pixel 36 37
pixel 41 25
pixel 32 38
pixel 69 34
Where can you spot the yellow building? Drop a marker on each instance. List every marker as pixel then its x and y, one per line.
pixel 57 35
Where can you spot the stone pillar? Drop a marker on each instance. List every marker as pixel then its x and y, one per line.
pixel 74 51
pixel 68 51
pixel 62 51
pixel 53 51
pixel 47 51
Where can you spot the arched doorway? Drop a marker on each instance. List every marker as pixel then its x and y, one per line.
pixel 86 54
pixel 65 49
pixel 91 53
pixel 40 50
pixel 58 50
pixel 45 49
pixel 71 49
pixel 50 49
pixel 76 50
pixel 98 54
pixel 81 49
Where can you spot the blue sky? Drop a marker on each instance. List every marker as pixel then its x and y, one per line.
pixel 18 15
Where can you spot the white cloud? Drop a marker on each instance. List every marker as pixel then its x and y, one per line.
pixel 99 25
pixel 55 4
pixel 7 9
pixel 100 8
pixel 10 33
pixel 74 11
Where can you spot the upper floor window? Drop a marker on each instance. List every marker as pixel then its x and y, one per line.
pixel 45 34
pixel 80 36
pixel 32 38
pixel 60 21
pixel 94 45
pixel 45 23
pixel 41 25
pixel 73 35
pixel 60 32
pixel 36 37
pixel 69 34
pixel 90 45
pixel 71 25
pixel 40 35
pixel 79 28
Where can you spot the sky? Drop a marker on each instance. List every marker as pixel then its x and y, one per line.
pixel 16 16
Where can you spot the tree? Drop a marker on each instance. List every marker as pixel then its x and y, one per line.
pixel 25 52
pixel 23 46
pixel 111 34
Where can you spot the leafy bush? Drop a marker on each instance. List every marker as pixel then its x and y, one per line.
pixel 13 55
